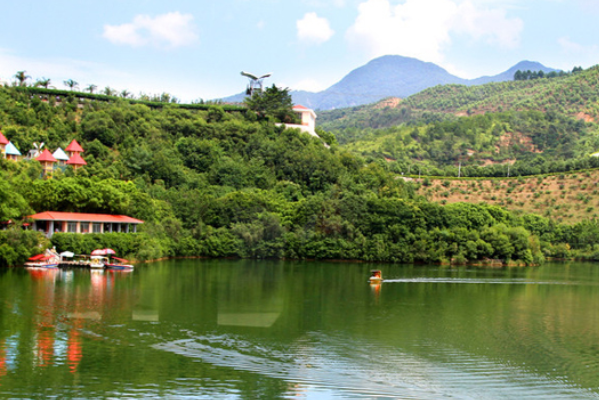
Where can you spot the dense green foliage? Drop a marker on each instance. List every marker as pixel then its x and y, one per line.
pixel 153 102
pixel 272 102
pixel 533 142
pixel 217 183
pixel 541 125
pixel 569 94
pixel 529 75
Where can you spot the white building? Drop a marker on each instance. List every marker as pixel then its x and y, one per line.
pixel 308 120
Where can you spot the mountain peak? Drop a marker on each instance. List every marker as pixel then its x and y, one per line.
pixel 395 76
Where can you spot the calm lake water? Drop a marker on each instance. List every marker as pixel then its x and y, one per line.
pixel 237 329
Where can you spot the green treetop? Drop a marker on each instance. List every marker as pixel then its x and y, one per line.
pixel 272 102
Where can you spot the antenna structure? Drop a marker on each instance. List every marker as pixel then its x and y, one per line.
pixel 256 83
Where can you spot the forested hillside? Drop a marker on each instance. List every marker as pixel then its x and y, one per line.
pixel 575 94
pixel 532 126
pixel 216 183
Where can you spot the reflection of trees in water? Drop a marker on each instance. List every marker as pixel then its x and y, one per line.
pixel 295 320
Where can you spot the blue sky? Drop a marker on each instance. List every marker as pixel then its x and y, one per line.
pixel 196 49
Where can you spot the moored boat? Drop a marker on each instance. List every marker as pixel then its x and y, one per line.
pixel 98 262
pixel 119 263
pixel 48 259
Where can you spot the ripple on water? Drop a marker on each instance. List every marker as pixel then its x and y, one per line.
pixel 321 363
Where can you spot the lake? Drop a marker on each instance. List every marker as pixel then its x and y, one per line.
pixel 242 329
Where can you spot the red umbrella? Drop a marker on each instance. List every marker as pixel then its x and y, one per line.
pixel 103 252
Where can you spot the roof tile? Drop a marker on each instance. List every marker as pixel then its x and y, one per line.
pixel 76 160
pixel 74 146
pixel 72 216
pixel 46 156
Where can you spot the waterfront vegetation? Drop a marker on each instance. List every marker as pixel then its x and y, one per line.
pixel 222 182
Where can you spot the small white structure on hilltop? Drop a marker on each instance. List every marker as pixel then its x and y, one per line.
pixel 308 120
pixel 307 116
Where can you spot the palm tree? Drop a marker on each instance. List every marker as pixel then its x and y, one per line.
pixel 108 91
pixel 91 88
pixel 44 82
pixel 125 94
pixel 71 83
pixel 21 77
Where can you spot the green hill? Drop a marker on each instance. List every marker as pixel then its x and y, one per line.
pixel 222 182
pixel 574 94
pixel 536 126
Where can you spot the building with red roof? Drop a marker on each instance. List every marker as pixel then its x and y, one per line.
pixel 3 143
pixel 47 160
pixel 51 222
pixel 73 148
pixel 308 121
pixel 74 151
pixel 76 161
pixel 307 116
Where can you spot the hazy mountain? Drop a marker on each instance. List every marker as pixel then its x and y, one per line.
pixel 509 74
pixel 387 76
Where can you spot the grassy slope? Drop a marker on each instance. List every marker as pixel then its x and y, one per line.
pixel 567 198
pixel 570 94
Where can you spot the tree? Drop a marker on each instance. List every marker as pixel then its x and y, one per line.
pixel 44 82
pixel 125 94
pixel 108 91
pixel 273 102
pixel 518 76
pixel 71 84
pixel 165 98
pixel 91 88
pixel 21 77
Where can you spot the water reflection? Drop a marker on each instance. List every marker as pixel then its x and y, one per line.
pixel 247 329
pixel 54 307
pixel 251 299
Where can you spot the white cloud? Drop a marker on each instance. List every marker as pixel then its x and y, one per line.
pixel 423 28
pixel 576 48
pixel 491 25
pixel 313 29
pixel 417 28
pixel 310 85
pixel 577 54
pixel 167 30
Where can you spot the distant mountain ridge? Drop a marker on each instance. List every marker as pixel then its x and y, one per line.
pixel 391 76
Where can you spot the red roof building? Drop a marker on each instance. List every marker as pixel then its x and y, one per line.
pixel 74 147
pixel 307 116
pixel 50 222
pixel 47 160
pixel 76 161
pixel 3 143
pixel 46 156
pixel 74 151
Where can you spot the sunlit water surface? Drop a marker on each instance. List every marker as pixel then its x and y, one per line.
pixel 224 329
